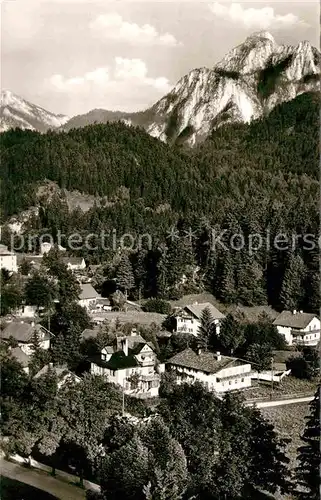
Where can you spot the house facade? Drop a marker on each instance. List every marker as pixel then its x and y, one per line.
pixel 298 328
pixel 88 296
pixel 23 333
pixel 62 373
pixel 20 356
pixel 8 259
pixel 74 263
pixel 218 373
pixel 188 318
pixel 131 363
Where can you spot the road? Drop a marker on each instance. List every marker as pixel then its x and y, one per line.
pixel 282 402
pixel 40 479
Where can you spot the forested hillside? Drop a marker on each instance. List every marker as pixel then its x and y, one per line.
pixel 258 178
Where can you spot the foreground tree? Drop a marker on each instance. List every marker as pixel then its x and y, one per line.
pixel 39 291
pixel 231 334
pixel 309 456
pixel 206 330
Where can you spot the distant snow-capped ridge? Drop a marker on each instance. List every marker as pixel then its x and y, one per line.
pixel 246 84
pixel 18 112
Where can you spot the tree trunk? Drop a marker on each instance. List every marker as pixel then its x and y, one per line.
pixel 81 478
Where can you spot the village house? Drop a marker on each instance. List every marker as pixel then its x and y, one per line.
pixel 8 259
pixel 45 247
pixel 35 261
pixel 28 311
pixel 218 373
pixel 131 363
pixel 23 333
pixel 102 304
pixel 298 328
pixel 19 355
pixel 74 263
pixel 188 318
pixel 88 296
pixel 62 373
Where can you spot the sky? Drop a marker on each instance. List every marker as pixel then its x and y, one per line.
pixel 71 56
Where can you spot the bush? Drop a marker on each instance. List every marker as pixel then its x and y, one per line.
pixel 305 366
pixel 158 306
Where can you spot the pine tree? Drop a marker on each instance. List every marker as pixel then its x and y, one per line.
pixel 125 276
pixel 206 330
pixel 231 334
pixel 291 293
pixel 250 282
pixel 227 288
pixel 309 456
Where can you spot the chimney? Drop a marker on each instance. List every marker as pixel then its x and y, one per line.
pixel 133 332
pixel 218 356
pixel 294 311
pixel 199 351
pixel 50 366
pixel 32 323
pixel 301 312
pixel 125 346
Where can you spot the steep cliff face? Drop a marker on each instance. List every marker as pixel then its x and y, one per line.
pixel 17 112
pixel 247 83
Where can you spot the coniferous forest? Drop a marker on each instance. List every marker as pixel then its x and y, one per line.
pixel 246 179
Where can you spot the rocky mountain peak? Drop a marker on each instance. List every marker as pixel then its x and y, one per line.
pixel 251 55
pixel 15 111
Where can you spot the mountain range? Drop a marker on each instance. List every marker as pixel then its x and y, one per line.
pixel 246 84
pixel 17 112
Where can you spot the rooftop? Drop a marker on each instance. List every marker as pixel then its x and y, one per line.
pixel 22 331
pixel 196 309
pixel 60 371
pixel 74 261
pixel 88 292
pixel 207 362
pixel 89 333
pixel 118 361
pixel 293 319
pixel 20 356
pixel 5 251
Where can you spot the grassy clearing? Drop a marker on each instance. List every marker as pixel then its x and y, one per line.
pixel 15 490
pixel 287 387
pixel 289 422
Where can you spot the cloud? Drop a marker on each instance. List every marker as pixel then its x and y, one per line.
pixel 119 85
pixel 262 18
pixel 112 26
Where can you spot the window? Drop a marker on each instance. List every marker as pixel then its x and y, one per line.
pixel 236 381
pixel 242 379
pixel 230 382
pixel 103 356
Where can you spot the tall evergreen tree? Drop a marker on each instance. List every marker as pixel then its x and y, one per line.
pixel 292 292
pixel 207 329
pixel 231 334
pixel 309 456
pixel 226 285
pixel 125 275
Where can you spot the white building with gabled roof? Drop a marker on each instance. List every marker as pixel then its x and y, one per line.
pixel 298 327
pixel 188 318
pixel 8 259
pixel 218 373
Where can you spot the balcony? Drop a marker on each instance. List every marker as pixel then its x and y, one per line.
pixel 151 377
